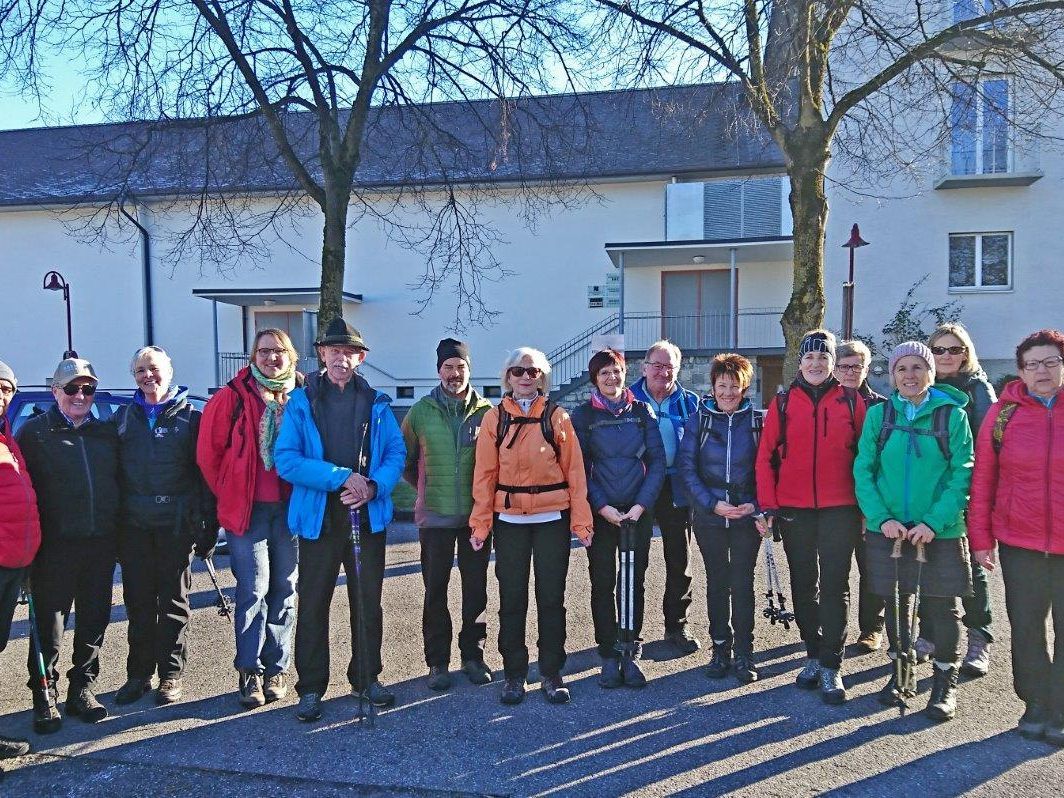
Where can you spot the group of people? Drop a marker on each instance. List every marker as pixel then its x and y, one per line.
pixel 299 472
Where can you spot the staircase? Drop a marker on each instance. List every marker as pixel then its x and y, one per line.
pixel 569 361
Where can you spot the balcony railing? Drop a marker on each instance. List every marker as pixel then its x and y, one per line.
pixel 229 363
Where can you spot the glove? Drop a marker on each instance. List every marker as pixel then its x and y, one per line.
pixel 206 540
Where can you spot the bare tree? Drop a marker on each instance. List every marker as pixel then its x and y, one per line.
pixel 874 81
pixel 287 97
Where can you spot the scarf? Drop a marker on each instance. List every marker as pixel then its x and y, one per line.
pixel 616 407
pixel 270 422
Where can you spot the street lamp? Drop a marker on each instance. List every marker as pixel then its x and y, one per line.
pixel 54 281
pixel 847 287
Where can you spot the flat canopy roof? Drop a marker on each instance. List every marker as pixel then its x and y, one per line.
pixel 768 249
pixel 254 297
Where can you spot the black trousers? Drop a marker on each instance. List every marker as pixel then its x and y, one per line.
pixel 871 608
pixel 940 619
pixel 675 526
pixel 604 570
pixel 72 573
pixel 730 555
pixel 1034 589
pixel 543 548
pixel 438 546
pixel 156 579
pixel 319 566
pixel 11 580
pixel 819 545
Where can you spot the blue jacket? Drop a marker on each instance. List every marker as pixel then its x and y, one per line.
pixel 299 452
pixel 677 408
pixel 722 469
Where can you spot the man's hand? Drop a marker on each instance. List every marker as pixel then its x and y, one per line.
pixel 359 493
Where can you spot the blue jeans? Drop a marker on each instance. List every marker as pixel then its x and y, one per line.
pixel 265 561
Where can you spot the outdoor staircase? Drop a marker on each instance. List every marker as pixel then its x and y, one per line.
pixel 569 361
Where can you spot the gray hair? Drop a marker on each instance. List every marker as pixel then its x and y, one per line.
pixel 150 350
pixel 851 348
pixel 539 360
pixel 667 346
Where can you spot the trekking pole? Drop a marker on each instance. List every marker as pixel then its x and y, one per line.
pixel 35 637
pixel 627 587
pixel 905 660
pixel 224 604
pixel 776 611
pixel 355 515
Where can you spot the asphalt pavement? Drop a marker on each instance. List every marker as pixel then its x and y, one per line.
pixel 684 734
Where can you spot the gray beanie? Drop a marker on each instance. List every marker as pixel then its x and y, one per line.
pixel 7 375
pixel 916 348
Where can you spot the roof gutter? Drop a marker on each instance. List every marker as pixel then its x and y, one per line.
pixel 145 247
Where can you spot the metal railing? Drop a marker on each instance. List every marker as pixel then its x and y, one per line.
pixel 229 363
pixel 569 360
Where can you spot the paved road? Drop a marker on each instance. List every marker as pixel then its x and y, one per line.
pixel 683 735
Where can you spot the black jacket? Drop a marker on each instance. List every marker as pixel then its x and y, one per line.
pixel 75 473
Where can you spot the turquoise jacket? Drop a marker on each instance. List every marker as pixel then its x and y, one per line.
pixel 299 457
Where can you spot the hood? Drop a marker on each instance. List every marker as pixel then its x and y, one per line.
pixel 1016 392
pixel 709 405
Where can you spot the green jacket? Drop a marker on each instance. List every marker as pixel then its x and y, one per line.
pixel 911 480
pixel 440 450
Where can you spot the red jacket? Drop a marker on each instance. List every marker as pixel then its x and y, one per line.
pixel 228 451
pixel 20 525
pixel 1018 493
pixel 816 460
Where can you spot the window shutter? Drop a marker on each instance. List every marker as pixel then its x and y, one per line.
pixel 762 210
pixel 722 203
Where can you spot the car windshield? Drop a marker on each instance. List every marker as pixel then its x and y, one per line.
pixel 27 404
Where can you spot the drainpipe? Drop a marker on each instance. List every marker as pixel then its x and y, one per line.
pixel 145 244
pixel 620 325
pixel 217 357
pixel 734 301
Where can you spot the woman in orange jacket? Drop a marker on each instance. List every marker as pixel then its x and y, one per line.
pixel 529 487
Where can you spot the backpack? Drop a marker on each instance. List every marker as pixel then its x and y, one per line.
pixel 1000 422
pixel 640 416
pixel 546 427
pixel 849 396
pixel 939 428
pixel 705 426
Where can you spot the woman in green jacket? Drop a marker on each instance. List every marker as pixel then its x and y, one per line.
pixel 912 472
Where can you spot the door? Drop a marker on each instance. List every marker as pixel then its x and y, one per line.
pixel 695 308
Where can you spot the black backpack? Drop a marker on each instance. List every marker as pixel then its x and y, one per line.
pixel 705 425
pixel 546 426
pixel 640 416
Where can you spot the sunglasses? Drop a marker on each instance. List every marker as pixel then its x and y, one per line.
pixel 953 350
pixel 520 371
pixel 72 390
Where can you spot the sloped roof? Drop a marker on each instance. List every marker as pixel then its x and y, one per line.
pixel 663 131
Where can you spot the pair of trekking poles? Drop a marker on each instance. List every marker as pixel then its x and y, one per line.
pixel 905 661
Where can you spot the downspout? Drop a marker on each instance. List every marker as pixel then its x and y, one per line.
pixel 145 246
pixel 733 300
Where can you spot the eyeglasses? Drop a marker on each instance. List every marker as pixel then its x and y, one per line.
pixel 267 351
pixel 520 371
pixel 953 350
pixel 850 369
pixel 72 390
pixel 1048 362
pixel 661 367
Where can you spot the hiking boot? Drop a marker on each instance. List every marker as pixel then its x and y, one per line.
pixel 309 709
pixel 1054 730
pixel 476 671
pixel 46 717
pixel 719 663
pixel 83 704
pixel 132 690
pixel 10 747
pixel 169 692
pixel 1033 723
pixel 977 660
pixel 610 674
pixel 377 694
pixel 943 703
pixel 925 649
pixel 745 669
pixel 808 677
pixel 832 689
pixel 439 678
pixel 275 687
pixel 251 694
pixel 554 690
pixel 513 691
pixel 869 642
pixel 683 641
pixel 632 673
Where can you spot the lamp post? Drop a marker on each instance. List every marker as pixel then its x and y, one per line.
pixel 847 287
pixel 54 281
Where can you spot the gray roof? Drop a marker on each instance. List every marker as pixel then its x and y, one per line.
pixel 681 130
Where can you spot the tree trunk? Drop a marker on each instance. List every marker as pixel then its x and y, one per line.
pixel 809 211
pixel 333 252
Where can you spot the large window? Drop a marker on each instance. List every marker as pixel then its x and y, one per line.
pixel 980 261
pixel 980 139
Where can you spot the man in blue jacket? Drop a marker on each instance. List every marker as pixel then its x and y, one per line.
pixel 341 448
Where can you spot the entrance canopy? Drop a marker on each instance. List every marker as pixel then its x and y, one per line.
pixel 637 254
pixel 263 297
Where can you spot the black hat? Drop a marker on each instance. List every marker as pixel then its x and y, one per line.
pixel 818 341
pixel 340 333
pixel 451 347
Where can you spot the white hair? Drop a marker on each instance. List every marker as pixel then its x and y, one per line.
pixel 668 347
pixel 539 360
pixel 150 350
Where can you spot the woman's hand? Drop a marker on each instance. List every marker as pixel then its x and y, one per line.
pixel 764 525
pixel 743 510
pixel 476 541
pixel 612 515
pixel 921 533
pixel 585 538
pixel 985 558
pixel 893 529
pixel 634 514
pixel 723 509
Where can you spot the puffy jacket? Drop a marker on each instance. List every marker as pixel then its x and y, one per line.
pixel 721 469
pixel 227 449
pixel 911 480
pixel 75 473
pixel 525 459
pixel 1018 494
pixel 677 408
pixel 299 456
pixel 980 395
pixel 624 458
pixel 815 455
pixel 440 450
pixel 20 524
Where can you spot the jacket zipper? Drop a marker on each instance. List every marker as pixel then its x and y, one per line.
pixel 1049 461
pixel 816 446
pixel 727 469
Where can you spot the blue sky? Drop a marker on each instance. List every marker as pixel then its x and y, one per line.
pixel 62 106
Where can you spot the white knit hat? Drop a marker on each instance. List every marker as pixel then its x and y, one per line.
pixel 916 348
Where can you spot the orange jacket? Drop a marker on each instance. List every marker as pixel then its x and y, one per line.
pixel 529 461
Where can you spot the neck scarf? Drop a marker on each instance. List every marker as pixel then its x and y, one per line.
pixel 279 388
pixel 614 406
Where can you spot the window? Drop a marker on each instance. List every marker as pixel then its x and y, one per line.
pixel 980 139
pixel 970 9
pixel 980 261
pixel 492 391
pixel 404 392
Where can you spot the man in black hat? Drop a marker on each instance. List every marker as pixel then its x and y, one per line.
pixel 440 433
pixel 341 448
